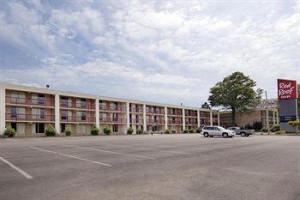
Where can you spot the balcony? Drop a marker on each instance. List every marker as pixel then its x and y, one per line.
pixel 78 119
pixel 191 114
pixel 175 113
pixel 29 117
pixel 174 122
pixel 112 109
pixel 136 121
pixel 159 112
pixel 191 123
pixel 113 120
pixel 152 121
pixel 136 110
pixel 29 102
pixel 77 105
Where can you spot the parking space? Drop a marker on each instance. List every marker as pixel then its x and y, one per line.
pixel 150 167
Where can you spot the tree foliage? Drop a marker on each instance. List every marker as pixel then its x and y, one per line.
pixel 235 92
pixel 205 105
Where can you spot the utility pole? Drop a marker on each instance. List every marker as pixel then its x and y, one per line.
pixel 267 113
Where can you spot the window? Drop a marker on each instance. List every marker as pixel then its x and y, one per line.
pixel 17 97
pixel 101 104
pixel 102 116
pixel 64 101
pixel 42 113
pixel 64 115
pixel 81 103
pixel 41 99
pixel 83 116
pixel 115 128
pixel 115 117
pixel 13 112
pixel 40 128
pixel 63 127
pixel 14 126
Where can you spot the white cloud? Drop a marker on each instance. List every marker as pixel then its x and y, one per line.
pixel 158 50
pixel 87 22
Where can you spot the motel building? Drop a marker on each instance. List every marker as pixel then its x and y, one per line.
pixel 29 110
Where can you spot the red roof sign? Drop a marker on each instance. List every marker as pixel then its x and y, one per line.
pixel 287 89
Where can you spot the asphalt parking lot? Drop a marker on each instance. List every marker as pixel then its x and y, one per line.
pixel 150 167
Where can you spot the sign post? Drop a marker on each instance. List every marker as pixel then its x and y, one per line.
pixel 287 98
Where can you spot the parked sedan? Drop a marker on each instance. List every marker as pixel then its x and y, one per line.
pixel 241 132
pixel 211 131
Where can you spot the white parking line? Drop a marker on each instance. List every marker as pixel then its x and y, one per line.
pixel 16 168
pixel 149 149
pixel 11 140
pixel 112 152
pixel 67 155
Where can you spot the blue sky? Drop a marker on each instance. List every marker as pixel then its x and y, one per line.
pixel 162 51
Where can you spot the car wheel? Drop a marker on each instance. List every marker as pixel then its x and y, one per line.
pixel 206 134
pixel 225 135
pixel 243 134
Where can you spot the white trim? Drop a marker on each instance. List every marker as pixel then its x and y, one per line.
pixel 144 118
pixel 166 118
pixel 183 119
pixel 198 118
pixel 211 118
pixel 127 115
pixel 97 122
pixel 90 96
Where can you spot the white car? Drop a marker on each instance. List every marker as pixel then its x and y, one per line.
pixel 211 131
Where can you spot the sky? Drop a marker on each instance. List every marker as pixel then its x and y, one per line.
pixel 161 51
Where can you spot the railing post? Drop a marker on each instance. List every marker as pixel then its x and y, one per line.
pixel 57 113
pixel 166 118
pixel 2 109
pixel 144 118
pixel 127 115
pixel 211 118
pixel 183 119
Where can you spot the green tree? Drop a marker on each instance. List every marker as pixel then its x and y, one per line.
pixel 205 105
pixel 235 92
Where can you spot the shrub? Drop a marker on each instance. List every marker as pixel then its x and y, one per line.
pixel 167 131
pixel 106 130
pixel 95 130
pixel 139 131
pixel 173 131
pixel 68 131
pixel 248 126
pixel 10 132
pixel 294 123
pixel 185 131
pixel 264 130
pixel 257 126
pixel 191 130
pixel 199 130
pixel 280 132
pixel 275 128
pixel 50 131
pixel 129 131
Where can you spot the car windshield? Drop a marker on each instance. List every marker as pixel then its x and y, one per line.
pixel 221 128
